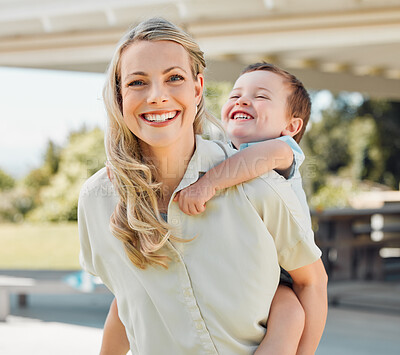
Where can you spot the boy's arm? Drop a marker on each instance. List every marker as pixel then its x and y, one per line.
pixel 115 341
pixel 245 165
pixel 310 286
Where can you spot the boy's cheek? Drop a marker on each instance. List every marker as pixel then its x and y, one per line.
pixel 224 123
pixel 225 113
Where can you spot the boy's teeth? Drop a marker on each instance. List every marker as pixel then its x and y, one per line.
pixel 242 116
pixel 159 117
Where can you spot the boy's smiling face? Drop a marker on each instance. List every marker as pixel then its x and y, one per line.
pixel 257 108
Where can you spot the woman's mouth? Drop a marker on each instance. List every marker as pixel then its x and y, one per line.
pixel 159 117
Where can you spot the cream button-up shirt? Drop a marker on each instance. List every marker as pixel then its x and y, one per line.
pixel 215 296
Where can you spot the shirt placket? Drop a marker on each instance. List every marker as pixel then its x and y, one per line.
pixel 191 303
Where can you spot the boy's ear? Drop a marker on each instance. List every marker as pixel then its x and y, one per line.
pixel 293 127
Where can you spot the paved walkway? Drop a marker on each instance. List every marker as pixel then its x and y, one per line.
pixel 72 325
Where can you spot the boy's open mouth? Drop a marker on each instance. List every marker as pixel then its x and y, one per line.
pixel 241 116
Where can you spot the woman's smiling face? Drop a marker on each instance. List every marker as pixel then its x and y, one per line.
pixel 159 93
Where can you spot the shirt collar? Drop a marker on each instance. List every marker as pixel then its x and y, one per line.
pixel 207 155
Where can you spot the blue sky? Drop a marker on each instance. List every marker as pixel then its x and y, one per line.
pixel 38 105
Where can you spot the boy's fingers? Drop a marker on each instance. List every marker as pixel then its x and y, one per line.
pixel 183 207
pixel 193 210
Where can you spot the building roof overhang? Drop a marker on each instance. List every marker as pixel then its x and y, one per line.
pixel 345 45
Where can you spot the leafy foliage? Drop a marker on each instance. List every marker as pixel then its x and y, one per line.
pixel 382 162
pixel 81 158
pixel 6 181
pixel 349 145
pixel 216 94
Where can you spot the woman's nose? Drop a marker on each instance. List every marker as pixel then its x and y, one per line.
pixel 157 95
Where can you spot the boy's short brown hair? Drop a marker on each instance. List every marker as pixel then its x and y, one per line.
pixel 298 101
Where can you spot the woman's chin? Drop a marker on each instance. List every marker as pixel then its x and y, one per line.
pixel 168 140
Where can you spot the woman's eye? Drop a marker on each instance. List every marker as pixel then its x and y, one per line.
pixel 136 83
pixel 262 97
pixel 234 97
pixel 176 77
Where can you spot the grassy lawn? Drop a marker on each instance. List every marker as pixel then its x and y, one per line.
pixel 39 246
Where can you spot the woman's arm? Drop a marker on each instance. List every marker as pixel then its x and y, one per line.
pixel 310 286
pixel 245 165
pixel 115 341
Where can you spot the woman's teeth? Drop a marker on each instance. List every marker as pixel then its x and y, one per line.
pixel 152 117
pixel 242 116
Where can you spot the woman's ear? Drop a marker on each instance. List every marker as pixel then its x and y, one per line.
pixel 199 87
pixel 293 127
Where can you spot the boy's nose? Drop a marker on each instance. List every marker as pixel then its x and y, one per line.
pixel 242 101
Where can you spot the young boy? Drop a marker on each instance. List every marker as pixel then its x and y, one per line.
pixel 265 103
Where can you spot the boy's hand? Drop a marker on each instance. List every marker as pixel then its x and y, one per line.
pixel 192 200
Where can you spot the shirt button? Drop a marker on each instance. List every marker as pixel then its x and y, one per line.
pixel 199 325
pixel 187 292
pixel 175 221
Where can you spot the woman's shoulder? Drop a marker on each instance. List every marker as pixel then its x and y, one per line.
pixel 273 190
pixel 97 186
pixel 213 148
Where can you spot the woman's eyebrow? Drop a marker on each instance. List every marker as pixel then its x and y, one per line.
pixel 137 73
pixel 172 68
pixel 142 73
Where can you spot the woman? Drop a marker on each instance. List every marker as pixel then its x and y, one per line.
pixel 184 285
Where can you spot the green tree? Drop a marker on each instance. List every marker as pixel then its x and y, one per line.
pixel 382 164
pixel 52 157
pixel 216 94
pixel 326 144
pixel 351 147
pixel 7 182
pixel 83 155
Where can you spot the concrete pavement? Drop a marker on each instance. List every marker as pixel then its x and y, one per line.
pixel 72 325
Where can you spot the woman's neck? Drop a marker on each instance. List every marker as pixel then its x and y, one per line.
pixel 171 163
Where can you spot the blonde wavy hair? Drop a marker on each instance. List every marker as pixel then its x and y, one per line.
pixel 136 220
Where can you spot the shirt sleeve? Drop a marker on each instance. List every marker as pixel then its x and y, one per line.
pixel 298 155
pixel 85 254
pixel 284 218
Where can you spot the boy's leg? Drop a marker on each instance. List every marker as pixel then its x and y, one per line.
pixel 285 324
pixel 115 341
